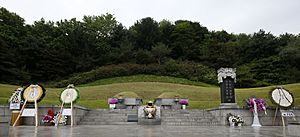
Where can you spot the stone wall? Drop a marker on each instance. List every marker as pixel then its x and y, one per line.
pixel 5 113
pixel 79 112
pixel 247 115
pixel 219 114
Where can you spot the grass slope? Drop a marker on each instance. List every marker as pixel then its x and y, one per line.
pixel 95 96
pixel 146 78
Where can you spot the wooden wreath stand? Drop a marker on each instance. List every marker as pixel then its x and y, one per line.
pixel 59 115
pixel 35 112
pixel 282 119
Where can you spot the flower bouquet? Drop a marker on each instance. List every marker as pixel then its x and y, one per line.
pixel 260 104
pixel 183 103
pixel 235 120
pixel 256 105
pixel 49 118
pixel 62 119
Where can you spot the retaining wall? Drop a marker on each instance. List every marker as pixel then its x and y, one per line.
pixel 219 114
pixel 79 112
pixel 247 115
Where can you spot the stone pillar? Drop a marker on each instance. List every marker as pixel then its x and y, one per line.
pixel 226 79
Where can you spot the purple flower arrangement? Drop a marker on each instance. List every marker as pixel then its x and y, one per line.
pixel 113 101
pixel 260 103
pixel 183 101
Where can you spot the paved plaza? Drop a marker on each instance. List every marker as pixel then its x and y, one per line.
pixel 154 131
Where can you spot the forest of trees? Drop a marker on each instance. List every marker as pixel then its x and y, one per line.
pixel 53 51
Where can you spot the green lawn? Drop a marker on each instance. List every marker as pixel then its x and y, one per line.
pixel 146 78
pixel 205 96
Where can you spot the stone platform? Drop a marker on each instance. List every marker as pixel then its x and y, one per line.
pixel 143 121
pixel 169 117
pixel 154 131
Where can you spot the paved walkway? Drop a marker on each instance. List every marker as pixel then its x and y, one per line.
pixel 154 131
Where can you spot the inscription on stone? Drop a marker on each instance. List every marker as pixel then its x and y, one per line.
pixel 227 91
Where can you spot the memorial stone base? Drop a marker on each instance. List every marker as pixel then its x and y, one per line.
pixel 228 105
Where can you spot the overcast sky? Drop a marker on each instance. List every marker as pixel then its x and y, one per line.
pixel 234 16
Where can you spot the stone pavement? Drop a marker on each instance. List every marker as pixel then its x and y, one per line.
pixel 154 131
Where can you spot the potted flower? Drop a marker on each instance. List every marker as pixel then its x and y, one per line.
pixel 183 103
pixel 235 120
pixel 48 119
pixel 112 103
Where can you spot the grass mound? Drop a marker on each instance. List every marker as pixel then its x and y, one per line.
pixel 146 78
pixel 170 95
pixel 127 95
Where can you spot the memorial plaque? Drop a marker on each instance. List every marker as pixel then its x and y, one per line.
pixel 28 113
pixel 14 105
pixel 287 113
pixel 227 91
pixel 66 112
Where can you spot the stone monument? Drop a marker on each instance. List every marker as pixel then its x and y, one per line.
pixel 226 79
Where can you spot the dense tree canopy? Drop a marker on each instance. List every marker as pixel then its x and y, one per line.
pixel 50 51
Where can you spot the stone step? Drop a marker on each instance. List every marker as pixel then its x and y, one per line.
pixel 108 123
pixel 186 115
pixel 97 112
pixel 191 123
pixel 182 111
pixel 107 115
pixel 102 119
pixel 196 120
pixel 188 120
pixel 192 118
pixel 112 113
pixel 114 110
pixel 174 119
pixel 168 117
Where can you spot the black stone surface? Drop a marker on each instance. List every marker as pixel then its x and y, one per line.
pixel 227 91
pixel 132 118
